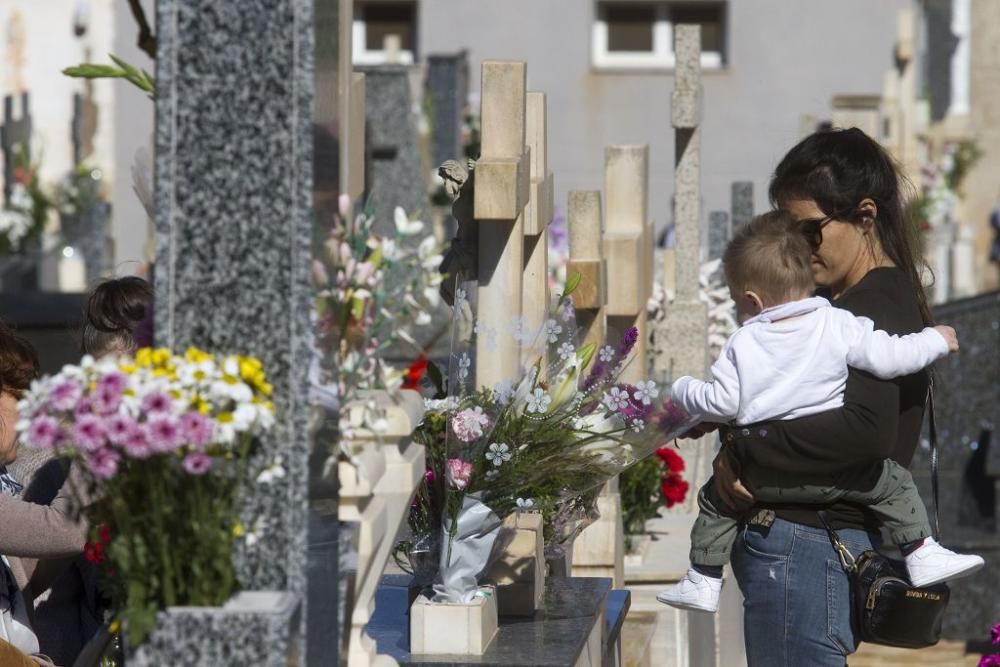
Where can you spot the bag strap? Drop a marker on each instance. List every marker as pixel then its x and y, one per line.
pixel 846 559
pixel 932 431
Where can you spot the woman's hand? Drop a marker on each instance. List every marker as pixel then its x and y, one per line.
pixel 726 471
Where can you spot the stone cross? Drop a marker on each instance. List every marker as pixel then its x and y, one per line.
pixel 586 257
pixel 685 325
pixel 13 133
pixel 501 193
pixel 537 216
pixel 628 247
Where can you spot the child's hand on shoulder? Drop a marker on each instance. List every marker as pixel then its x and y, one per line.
pixel 949 335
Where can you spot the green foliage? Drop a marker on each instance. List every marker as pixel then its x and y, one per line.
pixel 640 494
pixel 155 555
pixel 966 155
pixel 139 78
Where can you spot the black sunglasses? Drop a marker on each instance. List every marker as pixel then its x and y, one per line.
pixel 812 228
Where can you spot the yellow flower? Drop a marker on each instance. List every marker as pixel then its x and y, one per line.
pixel 199 404
pixel 127 368
pixel 225 417
pixel 144 357
pixel 238 530
pixel 161 356
pixel 196 356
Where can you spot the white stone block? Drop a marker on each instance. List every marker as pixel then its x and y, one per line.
pixel 448 628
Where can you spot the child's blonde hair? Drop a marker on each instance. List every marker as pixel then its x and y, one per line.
pixel 770 257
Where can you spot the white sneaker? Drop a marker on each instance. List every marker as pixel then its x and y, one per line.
pixel 695 592
pixel 931 564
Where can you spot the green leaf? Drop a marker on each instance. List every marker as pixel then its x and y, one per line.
pixel 434 373
pixel 90 71
pixel 572 283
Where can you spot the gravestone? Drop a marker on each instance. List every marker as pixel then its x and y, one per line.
pixel 394 173
pixel 17 272
pixel 240 283
pixel 13 133
pixel 448 89
pixel 741 204
pixel 719 233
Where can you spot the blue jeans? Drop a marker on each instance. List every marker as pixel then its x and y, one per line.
pixel 797 602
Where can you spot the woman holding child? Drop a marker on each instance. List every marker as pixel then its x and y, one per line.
pixel 841 190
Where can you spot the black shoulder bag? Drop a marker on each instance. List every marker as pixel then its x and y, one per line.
pixel 887 609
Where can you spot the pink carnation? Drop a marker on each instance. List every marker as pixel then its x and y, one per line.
pixel 115 380
pixel 197 429
pixel 103 463
pixel 136 445
pixel 65 395
pixel 458 473
pixel 106 398
pixel 88 432
pixel 157 402
pixel 43 432
pixel 119 427
pixel 197 463
pixel 85 406
pixel 468 424
pixel 163 433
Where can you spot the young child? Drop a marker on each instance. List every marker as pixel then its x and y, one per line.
pixel 789 359
pixel 118 317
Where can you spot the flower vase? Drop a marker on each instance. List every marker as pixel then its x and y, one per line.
pixel 454 628
pixel 519 572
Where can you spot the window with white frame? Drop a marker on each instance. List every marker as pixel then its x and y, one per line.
pixel 639 35
pixel 384 31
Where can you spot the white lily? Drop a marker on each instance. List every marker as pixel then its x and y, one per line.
pixel 430 259
pixel 404 225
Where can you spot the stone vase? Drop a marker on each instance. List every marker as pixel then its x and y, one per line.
pixel 254 628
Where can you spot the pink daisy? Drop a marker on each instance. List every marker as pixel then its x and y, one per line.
pixel 88 432
pixel 197 463
pixel 43 432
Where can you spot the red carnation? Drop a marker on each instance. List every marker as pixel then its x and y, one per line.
pixel 674 489
pixel 671 459
pixel 415 373
pixel 94 552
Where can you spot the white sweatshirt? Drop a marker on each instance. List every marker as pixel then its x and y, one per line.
pixel 791 361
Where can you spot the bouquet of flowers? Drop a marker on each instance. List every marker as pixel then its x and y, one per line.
pixel 26 210
pixel 543 441
pixel 161 442
pixel 369 290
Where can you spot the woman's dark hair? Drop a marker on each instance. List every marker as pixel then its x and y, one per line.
pixel 115 310
pixel 18 362
pixel 838 169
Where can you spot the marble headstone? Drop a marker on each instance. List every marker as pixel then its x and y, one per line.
pixel 448 88
pixel 234 147
pixel 718 234
pixel 395 173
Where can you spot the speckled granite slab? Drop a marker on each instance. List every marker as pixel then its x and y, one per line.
pixel 555 636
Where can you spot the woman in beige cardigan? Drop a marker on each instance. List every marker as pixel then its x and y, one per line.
pixel 28 531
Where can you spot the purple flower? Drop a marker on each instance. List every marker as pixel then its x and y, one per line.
pixel 136 444
pixel 197 429
pixel 115 380
pixel 119 428
pixel 106 399
pixel 88 432
pixel 103 463
pixel 157 402
pixel 84 406
pixel 628 341
pixel 197 463
pixel 990 660
pixel 43 432
pixel 596 373
pixel 65 395
pixel 995 634
pixel 568 312
pixel 163 433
